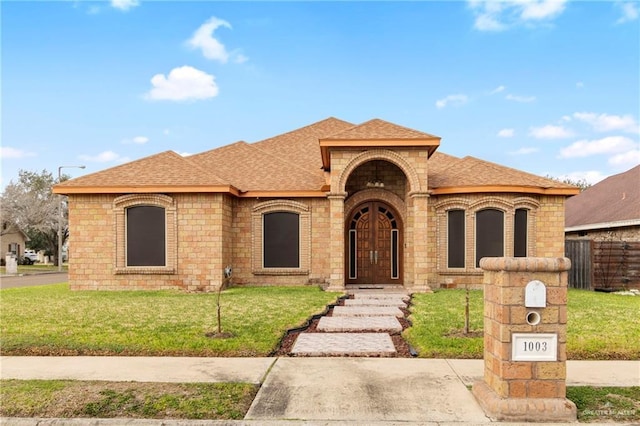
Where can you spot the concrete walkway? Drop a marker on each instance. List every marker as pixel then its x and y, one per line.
pixel 362 327
pixel 313 391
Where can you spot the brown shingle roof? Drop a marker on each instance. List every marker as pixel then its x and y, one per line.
pixel 166 169
pixel 292 162
pixel 249 168
pixel 616 198
pixel 377 129
pixel 300 147
pixel 446 171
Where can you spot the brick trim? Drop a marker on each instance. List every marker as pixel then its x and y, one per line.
pixel 271 206
pixel 380 154
pixel 506 205
pixel 120 204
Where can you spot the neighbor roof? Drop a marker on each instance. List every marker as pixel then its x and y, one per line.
pixel 612 202
pixel 296 163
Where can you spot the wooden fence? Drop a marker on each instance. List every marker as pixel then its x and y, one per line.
pixel 603 265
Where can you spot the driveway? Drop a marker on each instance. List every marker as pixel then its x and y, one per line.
pixel 11 281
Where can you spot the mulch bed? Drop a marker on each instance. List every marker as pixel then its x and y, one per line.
pixel 402 347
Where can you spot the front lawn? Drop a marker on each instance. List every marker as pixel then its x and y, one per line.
pixel 600 325
pixel 52 320
pixel 89 399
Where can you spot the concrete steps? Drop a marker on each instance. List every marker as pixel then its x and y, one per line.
pixel 361 327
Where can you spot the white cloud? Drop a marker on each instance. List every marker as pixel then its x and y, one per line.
pixel 137 140
pixel 541 9
pixel 629 11
pixel 183 83
pixel 591 176
pixel 517 98
pixel 6 153
pixel 453 100
pixel 608 145
pixel 104 157
pixel 203 39
pixel 524 151
pixel 497 90
pixel 124 5
pixel 626 159
pixel 502 15
pixel 607 122
pixel 166 132
pixel 550 132
pixel 506 133
pixel 239 58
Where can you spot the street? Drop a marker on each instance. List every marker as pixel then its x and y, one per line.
pixel 7 281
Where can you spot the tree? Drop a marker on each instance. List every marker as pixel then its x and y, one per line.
pixel 30 204
pixel 580 183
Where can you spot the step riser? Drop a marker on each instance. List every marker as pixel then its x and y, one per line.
pixel 360 311
pixel 346 324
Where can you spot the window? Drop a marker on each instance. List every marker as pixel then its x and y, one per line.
pixel 489 234
pixel 455 239
pixel 281 240
pixel 520 233
pixel 146 236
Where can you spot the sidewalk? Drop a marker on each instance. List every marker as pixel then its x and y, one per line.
pixel 314 391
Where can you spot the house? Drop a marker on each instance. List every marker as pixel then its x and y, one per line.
pixel 332 203
pixel 611 206
pixel 602 228
pixel 13 240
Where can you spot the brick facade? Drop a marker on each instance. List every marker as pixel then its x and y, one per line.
pixel 207 231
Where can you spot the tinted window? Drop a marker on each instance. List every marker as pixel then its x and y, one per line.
pixel 146 236
pixel 520 233
pixel 281 233
pixel 489 234
pixel 455 239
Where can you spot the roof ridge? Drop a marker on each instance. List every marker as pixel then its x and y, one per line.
pixel 299 129
pixel 386 123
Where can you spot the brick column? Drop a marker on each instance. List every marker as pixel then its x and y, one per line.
pixel 336 241
pixel 420 212
pixel 531 390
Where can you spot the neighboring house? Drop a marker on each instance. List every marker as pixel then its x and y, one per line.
pixel 332 203
pixel 609 207
pixel 12 240
pixel 602 227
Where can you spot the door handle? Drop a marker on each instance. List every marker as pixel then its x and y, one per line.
pixel 371 256
pixel 375 256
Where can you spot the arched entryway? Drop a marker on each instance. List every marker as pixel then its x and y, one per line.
pixel 373 245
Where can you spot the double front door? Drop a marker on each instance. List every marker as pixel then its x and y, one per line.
pixel 373 245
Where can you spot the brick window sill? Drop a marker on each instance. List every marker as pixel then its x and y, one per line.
pixel 280 271
pixel 145 270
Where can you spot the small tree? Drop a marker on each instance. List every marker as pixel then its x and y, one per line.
pixel 30 204
pixel 227 279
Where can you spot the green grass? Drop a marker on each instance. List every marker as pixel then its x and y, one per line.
pixel 52 320
pixel 604 404
pixel 438 321
pixel 89 399
pixel 600 325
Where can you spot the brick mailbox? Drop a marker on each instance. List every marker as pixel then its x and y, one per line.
pixel 525 335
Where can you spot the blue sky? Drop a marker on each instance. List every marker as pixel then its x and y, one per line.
pixel 549 87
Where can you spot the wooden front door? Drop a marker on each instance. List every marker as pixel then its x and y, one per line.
pixel 373 245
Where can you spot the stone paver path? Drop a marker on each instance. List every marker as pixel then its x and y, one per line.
pixel 361 327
